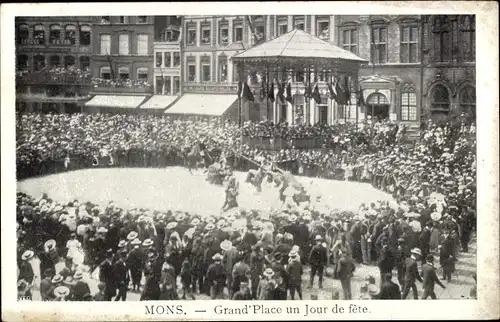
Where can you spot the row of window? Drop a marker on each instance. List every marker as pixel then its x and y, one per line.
pixel 444 47
pixel 168 59
pixel 124 73
pixel 106 20
pixel 322 30
pixel 58 35
pixel 55 61
pixel 124 44
pixel 167 85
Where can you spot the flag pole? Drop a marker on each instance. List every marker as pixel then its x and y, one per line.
pixel 357 103
pixel 267 90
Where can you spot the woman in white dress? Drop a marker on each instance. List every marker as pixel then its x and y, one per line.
pixel 75 250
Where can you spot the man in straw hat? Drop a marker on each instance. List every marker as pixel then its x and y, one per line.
pixel 412 274
pixel 25 269
pixel 229 253
pixel 81 287
pixel 267 285
pixel 61 293
pixel 216 277
pixel 294 271
pixel 317 260
pixel 135 263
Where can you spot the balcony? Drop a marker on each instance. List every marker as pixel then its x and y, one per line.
pixel 61 76
pixel 100 85
pixel 217 88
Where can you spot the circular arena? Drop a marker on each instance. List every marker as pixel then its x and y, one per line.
pixel 174 188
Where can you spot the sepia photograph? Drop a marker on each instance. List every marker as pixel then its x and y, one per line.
pixel 244 157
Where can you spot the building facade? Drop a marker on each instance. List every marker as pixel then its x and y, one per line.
pixel 419 67
pixel 53 63
pixel 209 42
pixel 167 55
pixel 122 60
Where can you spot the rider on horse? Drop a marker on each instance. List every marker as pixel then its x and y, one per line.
pixel 232 191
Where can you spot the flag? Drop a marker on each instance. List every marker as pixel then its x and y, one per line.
pixel 270 93
pixel 341 95
pixel 333 93
pixel 247 93
pixel 281 92
pixel 240 88
pixel 316 95
pixel 361 98
pixel 307 90
pixel 289 97
pixel 263 89
pixel 347 86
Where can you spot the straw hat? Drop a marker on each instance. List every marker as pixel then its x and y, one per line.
pixel 57 279
pixel 27 255
pixel 132 235
pixel 195 222
pixel 49 244
pixel 102 230
pixel 293 254
pixel 148 242
pixel 318 237
pixel 78 275
pixel 171 225
pixel 217 257
pixel 416 251
pixel 436 216
pixel 268 272
pixel 122 243
pixel 136 241
pixel 61 291
pixel 226 245
pixel 209 226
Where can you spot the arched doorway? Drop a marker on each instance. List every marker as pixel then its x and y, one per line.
pixel 377 106
pixel 468 102
pixel 440 104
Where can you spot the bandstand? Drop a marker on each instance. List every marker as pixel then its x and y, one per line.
pixel 300 66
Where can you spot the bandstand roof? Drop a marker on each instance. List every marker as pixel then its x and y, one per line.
pixel 297 44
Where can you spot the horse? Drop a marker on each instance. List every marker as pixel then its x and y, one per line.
pixel 195 156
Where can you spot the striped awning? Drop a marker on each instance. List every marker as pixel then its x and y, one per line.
pixel 203 104
pixel 115 101
pixel 159 102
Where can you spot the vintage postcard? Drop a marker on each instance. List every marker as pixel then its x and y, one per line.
pixel 250 161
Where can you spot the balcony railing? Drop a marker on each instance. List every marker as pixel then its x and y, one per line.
pixel 121 85
pixel 209 88
pixel 54 76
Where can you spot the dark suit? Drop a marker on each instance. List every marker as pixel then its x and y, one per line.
pixel 446 257
pixel 424 242
pixel 345 269
pixel 411 275
pixel 429 280
pixel 120 271
pixel 317 260
pixel 107 277
pixel 389 291
pixel 80 289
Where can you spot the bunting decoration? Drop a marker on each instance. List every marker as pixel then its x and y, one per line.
pixel 331 88
pixel 263 89
pixel 247 93
pixel 360 97
pixel 289 96
pixel 270 93
pixel 240 88
pixel 315 94
pixel 281 91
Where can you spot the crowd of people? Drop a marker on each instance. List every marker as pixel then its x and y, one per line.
pixel 246 254
pixel 57 74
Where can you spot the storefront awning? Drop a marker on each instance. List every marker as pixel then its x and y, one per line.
pixel 116 101
pixel 203 104
pixel 159 102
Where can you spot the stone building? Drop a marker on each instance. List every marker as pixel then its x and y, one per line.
pixel 52 63
pixel 121 62
pixel 420 66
